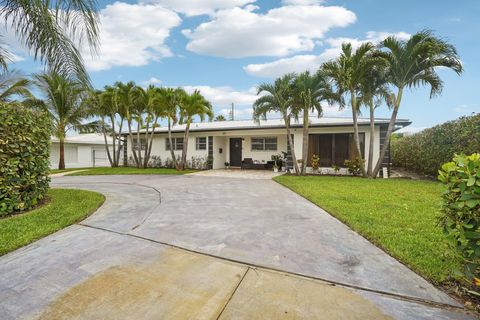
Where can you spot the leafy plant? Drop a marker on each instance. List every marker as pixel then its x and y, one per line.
pixel 24 157
pixel 335 169
pixel 460 218
pixel 315 160
pixel 278 159
pixel 355 166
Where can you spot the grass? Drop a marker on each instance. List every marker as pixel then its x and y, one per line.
pixel 399 216
pixel 53 171
pixel 66 206
pixel 127 170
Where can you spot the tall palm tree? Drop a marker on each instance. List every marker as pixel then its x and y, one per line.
pixel 347 73
pixel 123 99
pixel 173 98
pixel 50 29
pixel 12 85
pixel 64 101
pixel 373 91
pixel 413 63
pixel 308 93
pixel 277 97
pixel 192 105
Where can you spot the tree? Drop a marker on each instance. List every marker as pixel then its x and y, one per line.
pixel 173 98
pixel 347 73
pixel 50 29
pixel 191 106
pixel 64 101
pixel 277 97
pixel 308 92
pixel 413 63
pixel 12 85
pixel 220 117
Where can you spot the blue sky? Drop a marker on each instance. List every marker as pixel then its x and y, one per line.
pixel 226 47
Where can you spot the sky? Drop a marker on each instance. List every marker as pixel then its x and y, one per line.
pixel 225 48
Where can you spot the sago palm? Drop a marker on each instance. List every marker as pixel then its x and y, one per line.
pixel 413 63
pixel 51 29
pixel 192 105
pixel 277 97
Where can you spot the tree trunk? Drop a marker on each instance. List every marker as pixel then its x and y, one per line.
pixel 356 136
pixel 185 145
pixel 106 143
pixel 150 143
pixel 391 126
pixel 61 163
pixel 139 163
pixel 372 139
pixel 112 119
pixel 117 161
pixel 131 141
pixel 172 153
pixel 290 141
pixel 305 142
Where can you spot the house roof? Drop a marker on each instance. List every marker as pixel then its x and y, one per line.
pixel 276 124
pixel 87 138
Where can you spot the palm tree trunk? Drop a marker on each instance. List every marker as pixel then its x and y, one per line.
pixel 131 141
pixel 356 136
pixel 61 163
pixel 150 143
pixel 112 119
pixel 106 143
pixel 185 145
pixel 139 163
pixel 391 126
pixel 305 142
pixel 372 139
pixel 117 158
pixel 172 153
pixel 290 141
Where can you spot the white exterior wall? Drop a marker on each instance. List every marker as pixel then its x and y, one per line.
pixel 78 155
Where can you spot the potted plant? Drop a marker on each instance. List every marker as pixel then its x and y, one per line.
pixel 277 162
pixel 227 164
pixel 315 163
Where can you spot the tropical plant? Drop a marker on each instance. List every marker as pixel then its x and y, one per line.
pixel 412 63
pixel 64 99
pixel 315 161
pixel 460 218
pixel 308 92
pixel 192 105
pixel 173 97
pixel 347 73
pixel 277 97
pixel 336 169
pixel 355 166
pixel 50 29
pixel 13 85
pixel 220 117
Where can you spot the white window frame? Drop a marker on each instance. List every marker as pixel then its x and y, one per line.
pixel 264 143
pixel 176 144
pixel 200 145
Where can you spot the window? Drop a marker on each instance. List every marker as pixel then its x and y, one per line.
pixel 264 144
pixel 143 144
pixel 334 148
pixel 177 144
pixel 201 143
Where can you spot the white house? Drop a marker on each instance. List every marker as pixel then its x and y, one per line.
pixel 82 151
pixel 245 141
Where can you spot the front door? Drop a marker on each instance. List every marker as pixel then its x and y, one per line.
pixel 235 152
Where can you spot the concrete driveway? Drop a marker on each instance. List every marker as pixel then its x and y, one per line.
pixel 197 247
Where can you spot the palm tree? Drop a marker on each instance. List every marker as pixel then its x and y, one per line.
pixel 191 106
pixel 412 63
pixel 347 73
pixel 64 101
pixel 50 29
pixel 12 85
pixel 308 93
pixel 173 97
pixel 220 117
pixel 373 91
pixel 277 98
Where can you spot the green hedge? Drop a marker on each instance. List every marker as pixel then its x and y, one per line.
pixel 426 151
pixel 24 157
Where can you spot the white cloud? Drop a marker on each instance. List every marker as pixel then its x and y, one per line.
pixel 410 130
pixel 241 32
pixel 222 96
pixel 466 109
pixel 150 81
pixel 302 2
pixel 301 63
pixel 132 35
pixel 199 7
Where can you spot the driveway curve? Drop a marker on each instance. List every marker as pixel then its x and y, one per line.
pixel 254 222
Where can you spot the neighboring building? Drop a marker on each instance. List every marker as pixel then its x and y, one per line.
pixel 82 151
pixel 234 141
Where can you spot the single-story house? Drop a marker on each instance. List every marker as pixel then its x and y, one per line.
pixel 81 151
pixel 245 141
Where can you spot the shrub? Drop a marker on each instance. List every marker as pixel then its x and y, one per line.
pixel 315 162
pixel 461 210
pixel 24 157
pixel 354 166
pixel 426 151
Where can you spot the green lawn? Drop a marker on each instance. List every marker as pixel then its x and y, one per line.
pixel 66 206
pixel 127 170
pixel 53 171
pixel 399 216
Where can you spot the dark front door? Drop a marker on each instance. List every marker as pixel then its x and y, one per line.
pixel 235 152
